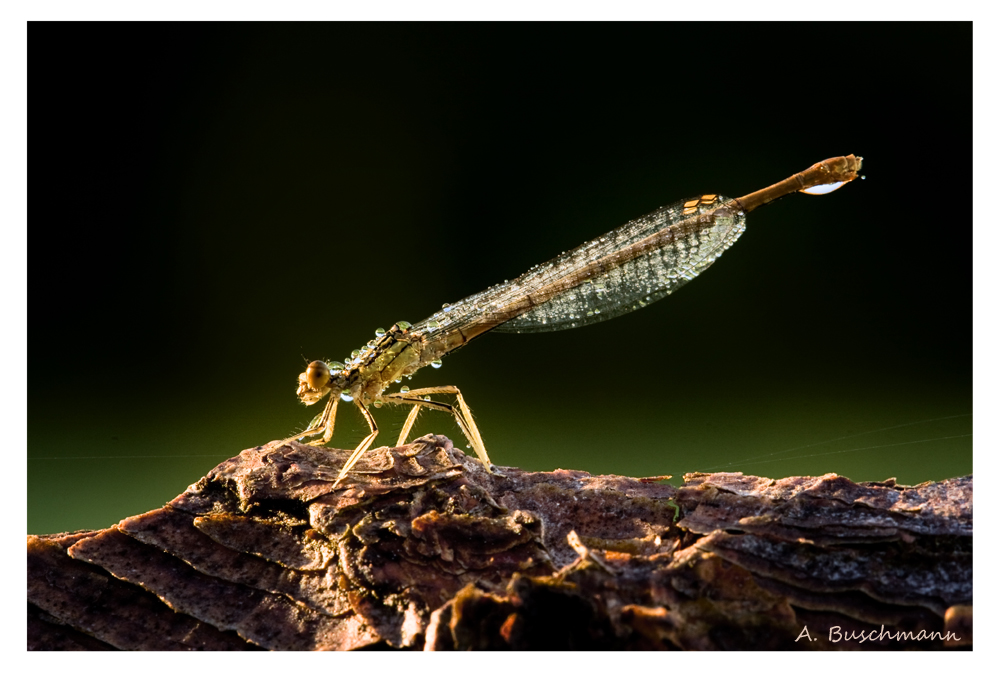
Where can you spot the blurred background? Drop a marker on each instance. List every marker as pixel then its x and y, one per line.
pixel 212 206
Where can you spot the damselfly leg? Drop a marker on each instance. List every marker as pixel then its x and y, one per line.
pixel 462 415
pixel 322 423
pixel 362 447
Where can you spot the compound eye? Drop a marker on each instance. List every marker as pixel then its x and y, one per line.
pixel 317 375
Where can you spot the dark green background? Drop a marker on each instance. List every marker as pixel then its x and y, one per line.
pixel 211 206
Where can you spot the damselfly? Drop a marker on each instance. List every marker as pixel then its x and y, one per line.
pixel 640 262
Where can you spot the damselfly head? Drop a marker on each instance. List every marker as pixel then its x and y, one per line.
pixel 316 382
pixel 318 374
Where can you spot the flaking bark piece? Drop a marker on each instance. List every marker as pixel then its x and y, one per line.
pixel 623 512
pixel 290 544
pixel 80 598
pixel 613 512
pixel 854 605
pixel 876 552
pixel 958 621
pixel 298 474
pixel 898 574
pixel 825 509
pixel 264 547
pixel 269 620
pixel 697 601
pixel 181 535
pixel 48 634
pixel 422 547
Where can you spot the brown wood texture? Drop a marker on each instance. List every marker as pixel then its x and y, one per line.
pixel 421 548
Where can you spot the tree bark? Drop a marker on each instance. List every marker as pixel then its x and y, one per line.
pixel 421 548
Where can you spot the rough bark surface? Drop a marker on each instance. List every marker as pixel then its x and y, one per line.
pixel 421 548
